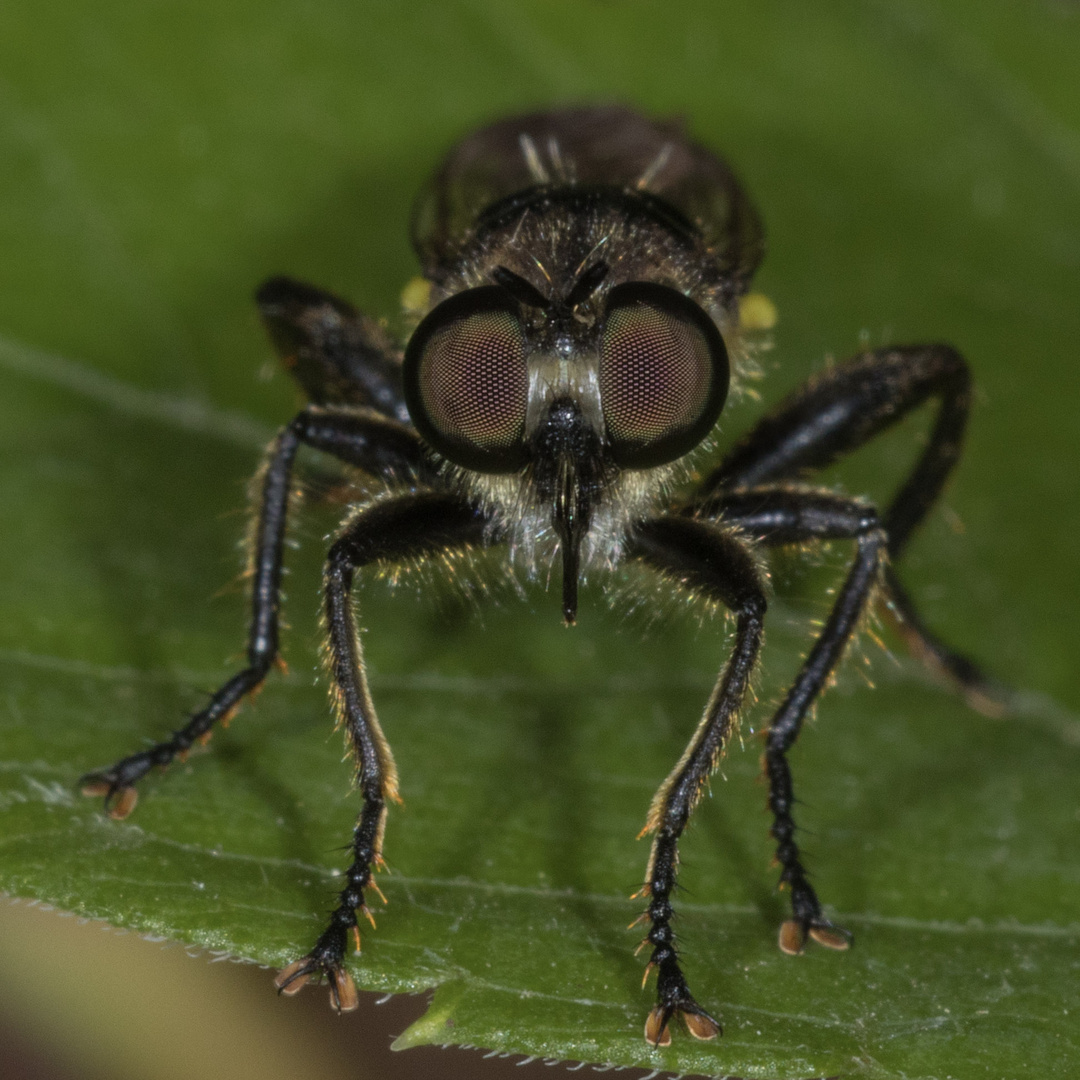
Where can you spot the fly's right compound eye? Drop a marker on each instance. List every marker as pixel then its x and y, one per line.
pixel 467 383
pixel 663 374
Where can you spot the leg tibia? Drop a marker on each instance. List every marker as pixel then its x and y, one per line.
pixel 716 564
pixel 412 525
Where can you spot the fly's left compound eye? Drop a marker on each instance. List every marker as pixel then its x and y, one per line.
pixel 466 381
pixel 663 374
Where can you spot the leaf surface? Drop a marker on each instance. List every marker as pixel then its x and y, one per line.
pixel 918 168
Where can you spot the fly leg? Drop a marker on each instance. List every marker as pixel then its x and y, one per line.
pixel 718 567
pixel 336 353
pixel 410 526
pixel 359 437
pixel 837 412
pixel 786 515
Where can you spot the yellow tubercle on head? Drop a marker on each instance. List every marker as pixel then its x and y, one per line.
pixel 416 296
pixel 757 312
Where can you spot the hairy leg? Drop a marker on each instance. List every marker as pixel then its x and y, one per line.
pixel 407 527
pixel 837 412
pixel 338 355
pixel 716 565
pixel 358 437
pixel 788 515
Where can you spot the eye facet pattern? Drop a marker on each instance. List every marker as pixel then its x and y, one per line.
pixel 663 374
pixel 472 379
pixel 467 383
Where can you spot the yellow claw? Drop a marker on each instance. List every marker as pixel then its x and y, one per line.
pixel 700 1026
pixel 792 937
pixel 343 995
pixel 831 939
pixel 289 981
pixel 123 804
pixel 656 1030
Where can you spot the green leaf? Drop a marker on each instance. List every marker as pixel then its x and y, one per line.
pixel 918 168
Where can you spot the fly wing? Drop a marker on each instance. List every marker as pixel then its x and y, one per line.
pixel 603 145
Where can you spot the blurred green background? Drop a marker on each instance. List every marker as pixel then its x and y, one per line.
pixel 918 168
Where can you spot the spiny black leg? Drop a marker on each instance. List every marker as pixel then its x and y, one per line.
pixel 786 516
pixel 338 355
pixel 839 410
pixel 117 783
pixel 717 566
pixel 367 440
pixel 407 527
pixel 784 730
pixel 834 414
pixel 360 438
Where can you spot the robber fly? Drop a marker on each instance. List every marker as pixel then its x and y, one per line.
pixel 580 332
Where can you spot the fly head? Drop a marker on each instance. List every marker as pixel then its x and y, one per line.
pixel 562 401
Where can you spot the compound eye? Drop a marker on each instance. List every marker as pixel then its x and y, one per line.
pixel 466 381
pixel 663 374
